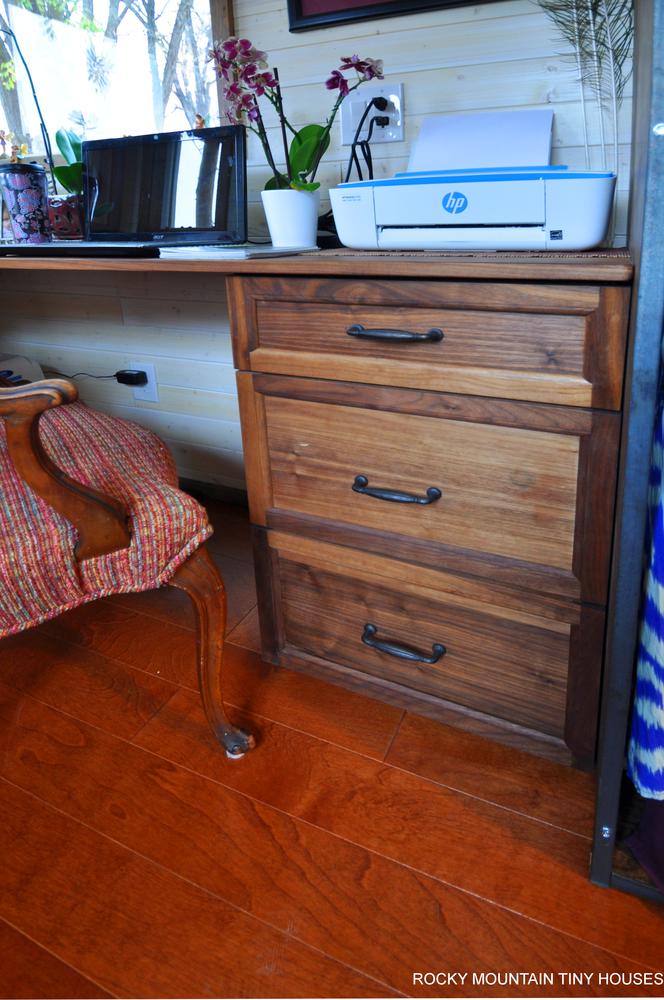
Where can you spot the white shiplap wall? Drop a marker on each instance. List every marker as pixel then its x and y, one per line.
pixel 489 57
pixel 503 55
pixel 97 322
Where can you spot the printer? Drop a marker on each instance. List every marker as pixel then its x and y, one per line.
pixel 460 192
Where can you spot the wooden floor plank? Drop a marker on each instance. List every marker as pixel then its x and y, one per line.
pixel 139 930
pixel 167 604
pixel 247 632
pixel 519 781
pixel 525 865
pixel 333 713
pixel 331 894
pixel 29 971
pixel 165 649
pixel 139 641
pixel 82 683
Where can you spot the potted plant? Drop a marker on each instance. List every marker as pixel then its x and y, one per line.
pixel 291 195
pixel 66 211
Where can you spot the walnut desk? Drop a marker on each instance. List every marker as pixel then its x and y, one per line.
pixel 431 445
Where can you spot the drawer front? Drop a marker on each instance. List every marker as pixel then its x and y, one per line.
pixel 506 491
pixel 560 344
pixel 513 670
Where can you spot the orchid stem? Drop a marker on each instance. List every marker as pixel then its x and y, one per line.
pixel 42 124
pixel 282 122
pixel 265 142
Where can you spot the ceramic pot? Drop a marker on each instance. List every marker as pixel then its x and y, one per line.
pixel 66 216
pixel 292 217
pixel 25 193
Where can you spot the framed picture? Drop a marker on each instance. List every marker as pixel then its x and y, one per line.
pixel 306 14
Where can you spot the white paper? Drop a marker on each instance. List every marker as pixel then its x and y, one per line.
pixel 239 252
pixel 486 139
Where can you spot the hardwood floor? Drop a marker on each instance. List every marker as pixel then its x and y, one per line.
pixel 356 846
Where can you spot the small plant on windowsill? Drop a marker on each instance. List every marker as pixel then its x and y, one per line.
pixel 245 77
pixel 70 174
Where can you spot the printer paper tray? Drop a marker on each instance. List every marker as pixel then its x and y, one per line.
pixel 462 238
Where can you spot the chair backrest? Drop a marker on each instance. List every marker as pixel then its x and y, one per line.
pixel 99 519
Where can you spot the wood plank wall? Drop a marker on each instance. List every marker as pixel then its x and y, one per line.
pixel 98 323
pixel 493 56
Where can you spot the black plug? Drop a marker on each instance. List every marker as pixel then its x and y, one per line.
pixel 380 103
pixel 131 376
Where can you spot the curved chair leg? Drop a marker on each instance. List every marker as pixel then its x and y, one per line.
pixel 200 578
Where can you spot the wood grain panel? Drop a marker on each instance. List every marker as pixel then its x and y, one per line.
pixel 584 267
pixel 27 970
pixel 540 343
pixel 505 491
pixel 452 406
pixel 198 944
pixel 571 390
pixel 500 340
pixel 532 868
pixel 256 455
pixel 583 685
pixel 521 604
pixel 448 713
pixel 325 891
pixel 473 294
pixel 508 669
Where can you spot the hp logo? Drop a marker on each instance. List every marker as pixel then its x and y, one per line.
pixel 455 202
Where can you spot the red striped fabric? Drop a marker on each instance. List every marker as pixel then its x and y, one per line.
pixel 39 576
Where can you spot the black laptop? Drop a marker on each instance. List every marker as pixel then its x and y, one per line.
pixel 143 192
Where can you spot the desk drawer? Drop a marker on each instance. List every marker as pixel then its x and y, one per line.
pixel 516 493
pixel 561 344
pixel 486 653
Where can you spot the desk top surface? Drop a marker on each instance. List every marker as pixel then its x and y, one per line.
pixel 599 265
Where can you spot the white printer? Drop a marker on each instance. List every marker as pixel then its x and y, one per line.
pixel 437 205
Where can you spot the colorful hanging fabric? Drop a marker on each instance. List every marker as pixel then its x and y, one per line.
pixel 646 747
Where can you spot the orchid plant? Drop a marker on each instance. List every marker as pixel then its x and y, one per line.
pixel 245 77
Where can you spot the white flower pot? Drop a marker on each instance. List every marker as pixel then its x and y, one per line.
pixel 292 216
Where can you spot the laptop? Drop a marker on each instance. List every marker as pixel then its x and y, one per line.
pixel 167 189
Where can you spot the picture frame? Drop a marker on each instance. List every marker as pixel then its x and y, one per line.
pixel 305 15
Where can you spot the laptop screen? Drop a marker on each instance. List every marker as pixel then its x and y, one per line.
pixel 168 187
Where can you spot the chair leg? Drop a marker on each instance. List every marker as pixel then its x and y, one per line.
pixel 200 579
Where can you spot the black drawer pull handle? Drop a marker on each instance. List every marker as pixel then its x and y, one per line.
pixel 396 336
pixel 400 649
pixel 361 485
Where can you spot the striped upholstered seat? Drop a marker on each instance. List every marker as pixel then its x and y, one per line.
pixel 39 574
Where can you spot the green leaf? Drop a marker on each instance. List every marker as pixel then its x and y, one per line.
pixel 304 186
pixel 277 183
pixel 305 148
pixel 70 177
pixel 69 145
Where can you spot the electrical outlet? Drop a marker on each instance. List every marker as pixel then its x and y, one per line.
pixel 355 104
pixel 148 392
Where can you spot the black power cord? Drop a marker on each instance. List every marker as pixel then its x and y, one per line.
pixel 326 221
pixel 380 104
pixel 126 376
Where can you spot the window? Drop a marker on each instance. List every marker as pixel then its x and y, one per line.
pixel 105 67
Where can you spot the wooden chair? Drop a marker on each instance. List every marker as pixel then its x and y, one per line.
pixel 90 507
